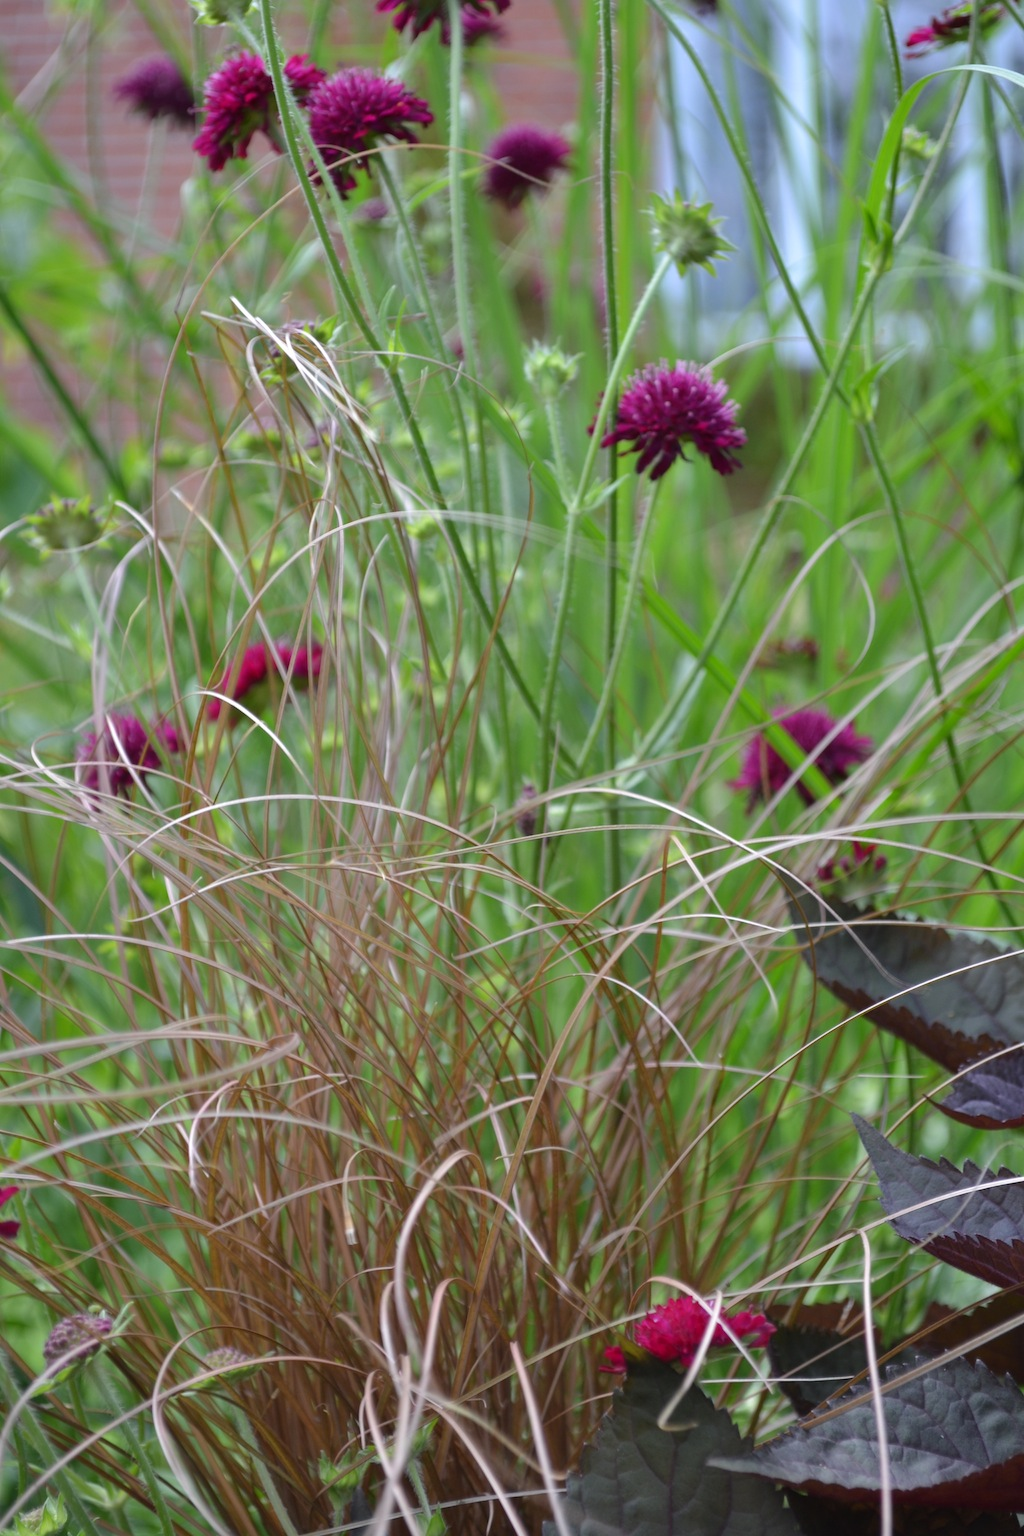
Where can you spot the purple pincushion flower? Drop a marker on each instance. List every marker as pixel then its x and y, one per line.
pixel 239 102
pixel 351 110
pixel 662 409
pixel 122 754
pixel 952 26
pixel 764 773
pixel 421 14
pixel 523 159
pixel 75 1338
pixel 157 88
pixel 476 28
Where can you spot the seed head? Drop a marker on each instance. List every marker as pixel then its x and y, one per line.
pixel 688 233
pixel 77 1336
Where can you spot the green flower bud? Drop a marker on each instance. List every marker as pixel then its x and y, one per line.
pixel 68 523
pixel 688 233
pixel 212 13
pixel 917 145
pixel 549 370
pixel 48 1520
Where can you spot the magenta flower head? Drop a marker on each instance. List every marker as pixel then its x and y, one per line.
pixel 157 88
pixel 523 160
pixel 239 102
pixel 953 26
pixel 421 14
pixel 674 1332
pixel 254 669
pixel 476 28
pixel 662 409
pixel 350 111
pixel 835 748
pixel 8 1229
pixel 122 754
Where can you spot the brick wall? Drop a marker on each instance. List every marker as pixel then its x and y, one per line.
pixel 62 73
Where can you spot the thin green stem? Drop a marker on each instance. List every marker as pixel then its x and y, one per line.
pixel 622 637
pixel 572 526
pixel 606 44
pixel 138 1449
pixel 29 1429
pixel 289 115
pixel 684 694
pixel 56 386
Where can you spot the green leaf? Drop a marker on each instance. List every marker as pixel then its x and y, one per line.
pixel 955 1439
pixel 639 1480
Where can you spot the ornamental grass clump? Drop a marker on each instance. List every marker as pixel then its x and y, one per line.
pixel 434 1088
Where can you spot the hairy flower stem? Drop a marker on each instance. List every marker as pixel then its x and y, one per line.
pixel 605 703
pixel 684 695
pixel 606 44
pixel 289 114
pixel 574 511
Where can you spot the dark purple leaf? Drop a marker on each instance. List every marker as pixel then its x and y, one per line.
pixel 972 1219
pixel 943 1329
pixel 869 964
pixel 955 1437
pixel 812 1364
pixel 990 1095
pixel 824 1517
pixel 636 1479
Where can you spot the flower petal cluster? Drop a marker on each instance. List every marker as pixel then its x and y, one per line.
pixel 78 1336
pixel 864 859
pixel 303 662
pixel 238 103
pixel 674 1332
pixel 156 88
pixel 421 14
pixel 836 749
pixel 953 26
pixel 351 111
pixel 10 1228
pixel 123 753
pixel 662 409
pixel 523 158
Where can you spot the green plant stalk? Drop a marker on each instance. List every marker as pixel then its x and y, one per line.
pixel 30 1429
pixel 606 47
pixel 871 442
pixel 57 389
pixel 572 528
pixel 138 1450
pixel 683 694
pixel 273 53
pixel 621 639
pixel 56 175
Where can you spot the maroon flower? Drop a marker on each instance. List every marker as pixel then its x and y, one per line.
pixel 421 14
pixel 77 1337
pixel 351 110
pixel 673 1333
pixel 764 773
pixel 524 158
pixel 952 26
pixel 304 661
pixel 8 1229
pixel 239 102
pixel 122 754
pixel 157 88
pixel 865 859
pixel 662 409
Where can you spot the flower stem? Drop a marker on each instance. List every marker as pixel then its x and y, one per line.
pixel 606 44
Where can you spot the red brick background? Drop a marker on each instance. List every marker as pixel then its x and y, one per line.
pixel 61 71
